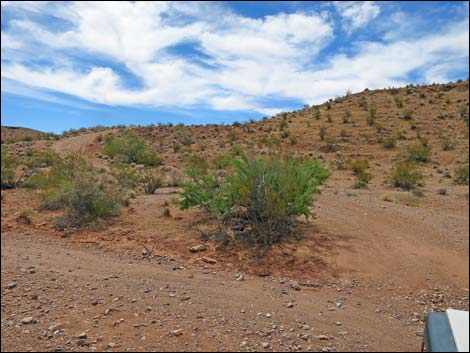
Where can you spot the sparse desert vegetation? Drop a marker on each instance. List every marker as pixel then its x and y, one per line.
pixel 302 197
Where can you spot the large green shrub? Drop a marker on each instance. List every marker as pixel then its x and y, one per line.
pixel 265 194
pixel 405 175
pixel 131 149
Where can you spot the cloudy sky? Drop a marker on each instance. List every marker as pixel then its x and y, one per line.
pixel 73 64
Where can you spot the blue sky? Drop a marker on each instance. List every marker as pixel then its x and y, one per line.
pixel 77 64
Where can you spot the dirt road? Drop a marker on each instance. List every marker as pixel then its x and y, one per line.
pixel 57 295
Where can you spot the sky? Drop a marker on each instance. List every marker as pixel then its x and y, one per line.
pixel 79 64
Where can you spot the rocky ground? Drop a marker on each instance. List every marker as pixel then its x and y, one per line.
pixel 59 296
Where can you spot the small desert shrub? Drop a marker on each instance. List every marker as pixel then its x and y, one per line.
pixel 63 171
pixel 398 102
pixel 417 193
pixel 464 114
pixel 408 115
pixel 186 137
pixel 461 175
pixel 363 103
pixel 131 149
pixel 405 175
pixel 360 184
pixel 86 200
pixel 317 113
pixel 44 159
pixel 418 153
pixel 409 199
pixel 359 166
pixel 389 142
pixel 283 124
pixel 372 116
pixel 151 181
pixel 322 132
pixel 197 164
pixel 448 144
pixel 7 169
pixel 330 144
pixel 127 178
pixel 232 136
pixel 264 194
pixel 221 162
pixel 442 192
pixel 347 117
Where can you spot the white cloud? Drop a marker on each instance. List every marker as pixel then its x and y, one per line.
pixel 357 14
pixel 244 62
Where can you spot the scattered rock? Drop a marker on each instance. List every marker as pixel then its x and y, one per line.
pixel 294 285
pixel 265 345
pixel 239 277
pixel 28 320
pixel 208 260
pixel 197 248
pixel 11 285
pixel 82 336
pixel 55 327
pixel 177 333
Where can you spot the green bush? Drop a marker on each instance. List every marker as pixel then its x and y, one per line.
pixel 7 169
pixel 461 175
pixel 405 175
pixel 73 185
pixel 418 153
pixel 264 194
pixel 131 149
pixel 86 200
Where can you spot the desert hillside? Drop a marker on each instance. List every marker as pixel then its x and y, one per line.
pixel 11 134
pixel 361 274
